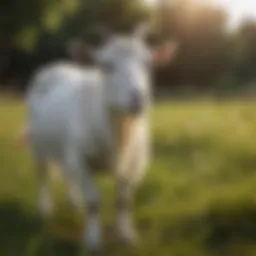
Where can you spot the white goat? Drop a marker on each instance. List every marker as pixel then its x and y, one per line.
pixel 88 119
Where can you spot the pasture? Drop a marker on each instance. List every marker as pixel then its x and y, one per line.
pixel 198 198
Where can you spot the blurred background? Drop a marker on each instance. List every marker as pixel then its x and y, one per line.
pixel 199 195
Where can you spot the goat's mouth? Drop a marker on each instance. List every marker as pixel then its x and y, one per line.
pixel 130 112
pixel 136 110
pixel 133 107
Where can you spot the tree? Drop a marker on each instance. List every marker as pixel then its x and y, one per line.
pixel 34 32
pixel 244 57
pixel 204 45
pixel 21 23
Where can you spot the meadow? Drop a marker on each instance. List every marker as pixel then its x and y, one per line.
pixel 198 198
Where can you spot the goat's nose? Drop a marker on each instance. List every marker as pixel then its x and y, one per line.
pixel 136 102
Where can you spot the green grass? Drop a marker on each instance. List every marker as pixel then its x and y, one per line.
pixel 198 198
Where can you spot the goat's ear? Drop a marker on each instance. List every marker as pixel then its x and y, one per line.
pixel 164 53
pixel 77 50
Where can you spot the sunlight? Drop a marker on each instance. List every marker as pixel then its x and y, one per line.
pixel 237 9
pixel 151 2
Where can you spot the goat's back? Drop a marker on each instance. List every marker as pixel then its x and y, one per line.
pixel 64 100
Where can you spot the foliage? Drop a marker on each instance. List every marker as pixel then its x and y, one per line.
pixel 21 21
pixel 244 51
pixel 36 32
pixel 204 45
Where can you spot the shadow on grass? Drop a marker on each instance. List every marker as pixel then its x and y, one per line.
pixel 23 234
pixel 231 222
pixel 220 227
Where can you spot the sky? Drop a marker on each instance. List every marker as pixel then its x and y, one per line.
pixel 237 9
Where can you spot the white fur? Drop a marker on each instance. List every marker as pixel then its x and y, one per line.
pixel 73 116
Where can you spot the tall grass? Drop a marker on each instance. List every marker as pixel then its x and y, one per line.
pixel 198 197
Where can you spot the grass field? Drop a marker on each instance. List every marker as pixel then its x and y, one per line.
pixel 199 197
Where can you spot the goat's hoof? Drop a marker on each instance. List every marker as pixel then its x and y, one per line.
pixel 129 240
pixel 127 237
pixel 73 204
pixel 97 252
pixel 45 208
pixel 93 249
pixel 93 243
pixel 74 201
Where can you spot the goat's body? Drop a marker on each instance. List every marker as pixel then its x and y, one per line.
pixel 90 119
pixel 67 108
pixel 87 120
pixel 69 111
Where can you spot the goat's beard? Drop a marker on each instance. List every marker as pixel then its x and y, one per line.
pixel 123 131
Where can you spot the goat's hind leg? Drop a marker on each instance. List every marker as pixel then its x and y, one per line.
pixel 45 203
pixel 80 175
pixel 73 193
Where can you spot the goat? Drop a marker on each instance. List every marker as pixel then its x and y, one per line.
pixel 88 119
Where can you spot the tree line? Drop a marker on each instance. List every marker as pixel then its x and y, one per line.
pixel 34 33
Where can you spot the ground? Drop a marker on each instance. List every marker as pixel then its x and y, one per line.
pixel 198 197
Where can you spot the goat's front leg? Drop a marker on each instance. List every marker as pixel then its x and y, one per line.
pixel 127 180
pixel 124 225
pixel 92 201
pixel 81 175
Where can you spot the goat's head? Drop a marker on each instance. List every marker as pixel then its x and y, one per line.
pixel 126 62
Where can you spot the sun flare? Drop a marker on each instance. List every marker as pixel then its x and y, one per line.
pixel 236 9
pixel 151 2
